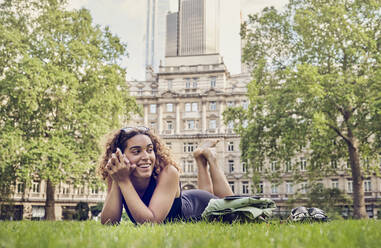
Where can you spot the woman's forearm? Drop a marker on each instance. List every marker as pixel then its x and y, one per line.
pixel 112 209
pixel 139 211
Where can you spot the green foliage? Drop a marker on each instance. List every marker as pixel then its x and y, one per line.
pixel 93 234
pixel 82 211
pixel 61 88
pixel 316 70
pixel 326 198
pixel 95 210
pixel 330 200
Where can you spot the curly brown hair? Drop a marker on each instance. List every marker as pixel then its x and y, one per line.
pixel 118 139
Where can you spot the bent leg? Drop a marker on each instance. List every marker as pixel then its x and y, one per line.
pixel 215 181
pixel 204 181
pixel 220 183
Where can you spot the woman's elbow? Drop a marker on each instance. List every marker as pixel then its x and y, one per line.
pixel 151 219
pixel 107 220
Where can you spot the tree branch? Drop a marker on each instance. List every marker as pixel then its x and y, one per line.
pixel 339 133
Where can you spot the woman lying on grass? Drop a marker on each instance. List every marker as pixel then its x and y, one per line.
pixel 143 178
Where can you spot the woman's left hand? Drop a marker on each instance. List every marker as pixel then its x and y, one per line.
pixel 119 167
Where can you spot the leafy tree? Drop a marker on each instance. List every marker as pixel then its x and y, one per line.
pixel 82 211
pixel 61 88
pixel 315 88
pixel 95 210
pixel 331 200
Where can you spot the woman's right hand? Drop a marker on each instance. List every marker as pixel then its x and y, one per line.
pixel 119 167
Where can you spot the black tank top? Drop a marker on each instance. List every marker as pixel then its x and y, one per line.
pixel 174 213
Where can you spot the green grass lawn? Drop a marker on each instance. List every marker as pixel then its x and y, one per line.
pixel 365 233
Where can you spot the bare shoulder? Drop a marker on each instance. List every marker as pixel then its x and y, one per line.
pixel 170 171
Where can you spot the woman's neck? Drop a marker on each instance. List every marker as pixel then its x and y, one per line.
pixel 140 185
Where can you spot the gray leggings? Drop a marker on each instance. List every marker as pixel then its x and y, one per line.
pixel 193 203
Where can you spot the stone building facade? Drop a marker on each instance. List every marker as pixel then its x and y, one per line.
pixel 29 203
pixel 184 102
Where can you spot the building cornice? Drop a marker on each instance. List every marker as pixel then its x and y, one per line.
pixel 198 136
pixel 191 72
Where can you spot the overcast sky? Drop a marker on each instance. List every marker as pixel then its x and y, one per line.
pixel 126 18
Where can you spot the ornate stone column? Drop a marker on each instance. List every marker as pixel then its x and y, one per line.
pixel 177 118
pixel 203 117
pixel 221 126
pixel 160 118
pixel 145 115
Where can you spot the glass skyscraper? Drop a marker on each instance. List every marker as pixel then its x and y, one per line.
pixel 155 32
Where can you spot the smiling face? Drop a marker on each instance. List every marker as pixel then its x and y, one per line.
pixel 140 151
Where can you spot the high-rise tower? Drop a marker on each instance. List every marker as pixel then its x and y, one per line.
pixel 198 29
pixel 155 32
pixel 204 27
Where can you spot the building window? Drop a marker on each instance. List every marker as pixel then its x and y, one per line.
pixel 189 147
pixel 20 188
pixel 189 166
pixel 191 125
pixel 335 184
pixel 169 107
pixel 231 146
pixel 245 187
pixel 213 106
pixel 140 92
pixel 212 124
pixel 231 184
pixel 367 186
pixel 194 106
pixel 169 145
pixel 245 104
pixel 35 187
pixel 289 188
pixel 288 166
pixel 152 108
pixel 349 186
pixel 244 167
pixel 191 107
pixel 187 83
pixel 194 83
pixel 154 91
pixel 303 187
pixel 303 164
pixel 230 104
pixel 231 166
pixel 94 191
pixel 212 82
pixel 169 125
pixel 334 164
pixel 260 188
pixel 273 166
pixel 169 84
pixel 274 188
pixel 188 107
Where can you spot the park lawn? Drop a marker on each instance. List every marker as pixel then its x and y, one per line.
pixel 345 233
